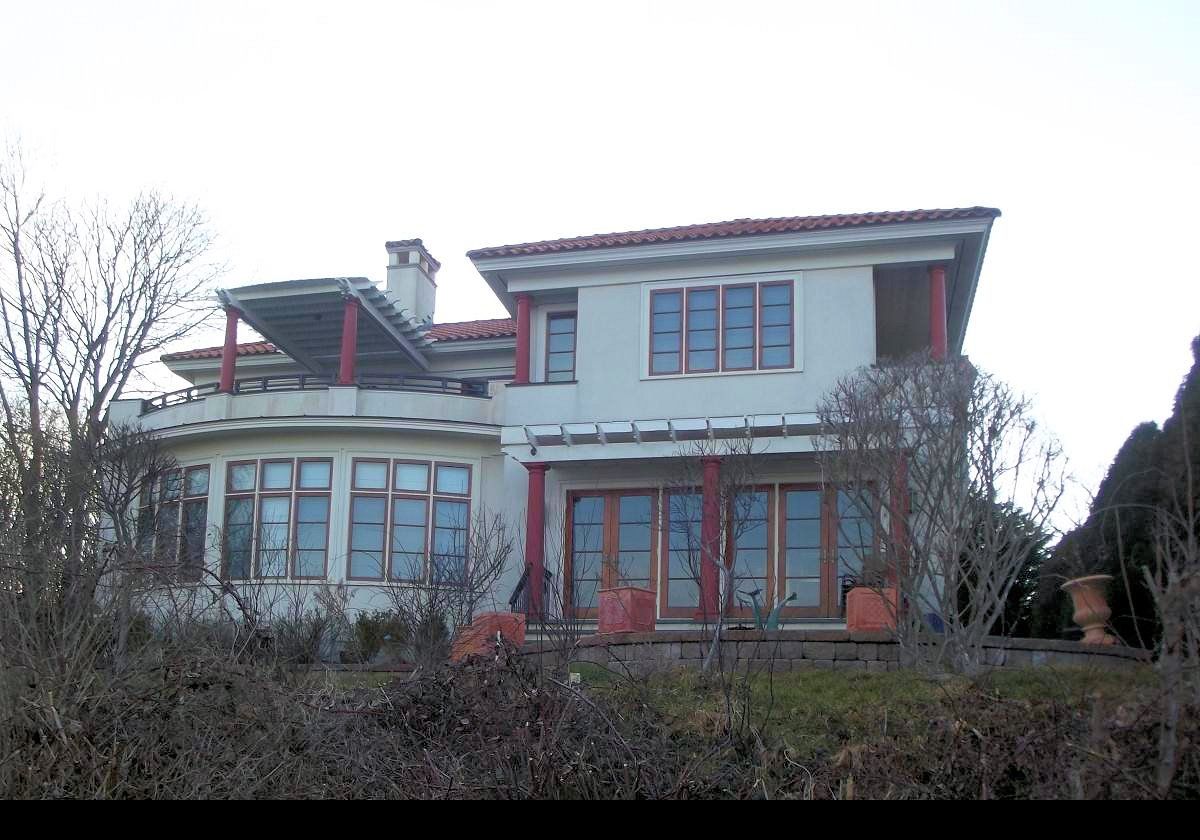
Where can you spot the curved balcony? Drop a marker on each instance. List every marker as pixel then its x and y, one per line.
pixel 308 382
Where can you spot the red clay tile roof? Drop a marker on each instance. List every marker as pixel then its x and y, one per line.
pixel 737 227
pixel 459 331
pixel 463 330
pixel 252 348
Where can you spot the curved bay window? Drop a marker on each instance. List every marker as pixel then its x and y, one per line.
pixel 173 523
pixel 277 518
pixel 410 518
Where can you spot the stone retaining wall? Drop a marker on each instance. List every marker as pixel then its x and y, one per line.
pixel 787 650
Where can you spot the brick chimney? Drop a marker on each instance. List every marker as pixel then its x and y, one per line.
pixel 410 277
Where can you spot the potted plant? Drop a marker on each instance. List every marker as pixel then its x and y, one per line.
pixel 871 602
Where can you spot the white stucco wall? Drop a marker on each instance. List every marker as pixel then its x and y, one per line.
pixel 835 333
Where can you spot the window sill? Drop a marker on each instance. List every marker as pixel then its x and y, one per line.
pixel 539 384
pixel 654 377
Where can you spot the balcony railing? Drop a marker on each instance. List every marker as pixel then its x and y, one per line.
pixel 184 395
pixel 313 382
pixel 426 384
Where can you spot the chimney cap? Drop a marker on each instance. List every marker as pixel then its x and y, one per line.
pixel 413 245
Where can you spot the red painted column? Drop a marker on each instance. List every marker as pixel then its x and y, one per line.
pixel 937 312
pixel 229 351
pixel 349 342
pixel 535 538
pixel 710 541
pixel 522 372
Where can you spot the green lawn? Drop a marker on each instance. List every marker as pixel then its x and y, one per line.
pixel 821 710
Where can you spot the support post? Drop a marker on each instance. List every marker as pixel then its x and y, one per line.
pixel 535 539
pixel 229 350
pixel 346 374
pixel 938 344
pixel 710 539
pixel 521 376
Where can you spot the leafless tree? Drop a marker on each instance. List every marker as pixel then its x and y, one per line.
pixel 741 512
pixel 934 457
pixel 1174 583
pixel 88 296
pixel 435 596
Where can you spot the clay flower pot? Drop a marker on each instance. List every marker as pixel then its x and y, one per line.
pixel 1090 598
pixel 626 609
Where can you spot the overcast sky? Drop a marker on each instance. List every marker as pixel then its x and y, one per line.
pixel 313 132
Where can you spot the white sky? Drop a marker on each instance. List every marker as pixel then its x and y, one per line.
pixel 313 132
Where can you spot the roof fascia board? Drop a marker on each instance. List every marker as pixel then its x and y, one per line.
pixel 730 267
pixel 806 240
pixel 472 345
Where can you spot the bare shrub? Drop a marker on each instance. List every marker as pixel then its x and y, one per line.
pixel 949 472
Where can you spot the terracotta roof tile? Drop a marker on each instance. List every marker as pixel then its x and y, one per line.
pixel 459 331
pixel 463 330
pixel 252 348
pixel 737 227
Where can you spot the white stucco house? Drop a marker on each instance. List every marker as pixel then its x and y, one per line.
pixel 355 444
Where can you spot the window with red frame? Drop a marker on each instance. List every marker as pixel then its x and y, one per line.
pixel 733 327
pixel 410 518
pixel 173 522
pixel 276 522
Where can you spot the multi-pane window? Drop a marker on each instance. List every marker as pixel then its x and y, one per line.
pixel 825 535
pixel 739 336
pixel 587 551
pixel 173 522
pixel 277 518
pixel 802 555
pixel 194 526
pixel 775 316
pixel 748 550
pixel 560 347
pixel 750 526
pixel 855 539
pixel 666 331
pixel 802 540
pixel 612 544
pixel 702 317
pixel 410 518
pixel 710 329
pixel 683 512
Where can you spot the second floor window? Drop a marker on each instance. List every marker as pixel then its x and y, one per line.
pixel 560 347
pixel 726 328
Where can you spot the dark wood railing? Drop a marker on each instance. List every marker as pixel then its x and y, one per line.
pixel 426 384
pixel 312 382
pixel 184 395
pixel 287 382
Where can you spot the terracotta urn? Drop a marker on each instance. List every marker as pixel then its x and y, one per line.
pixel 1090 598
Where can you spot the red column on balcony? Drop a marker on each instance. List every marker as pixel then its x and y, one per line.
pixel 229 351
pixel 937 312
pixel 349 341
pixel 710 541
pixel 521 376
pixel 535 538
